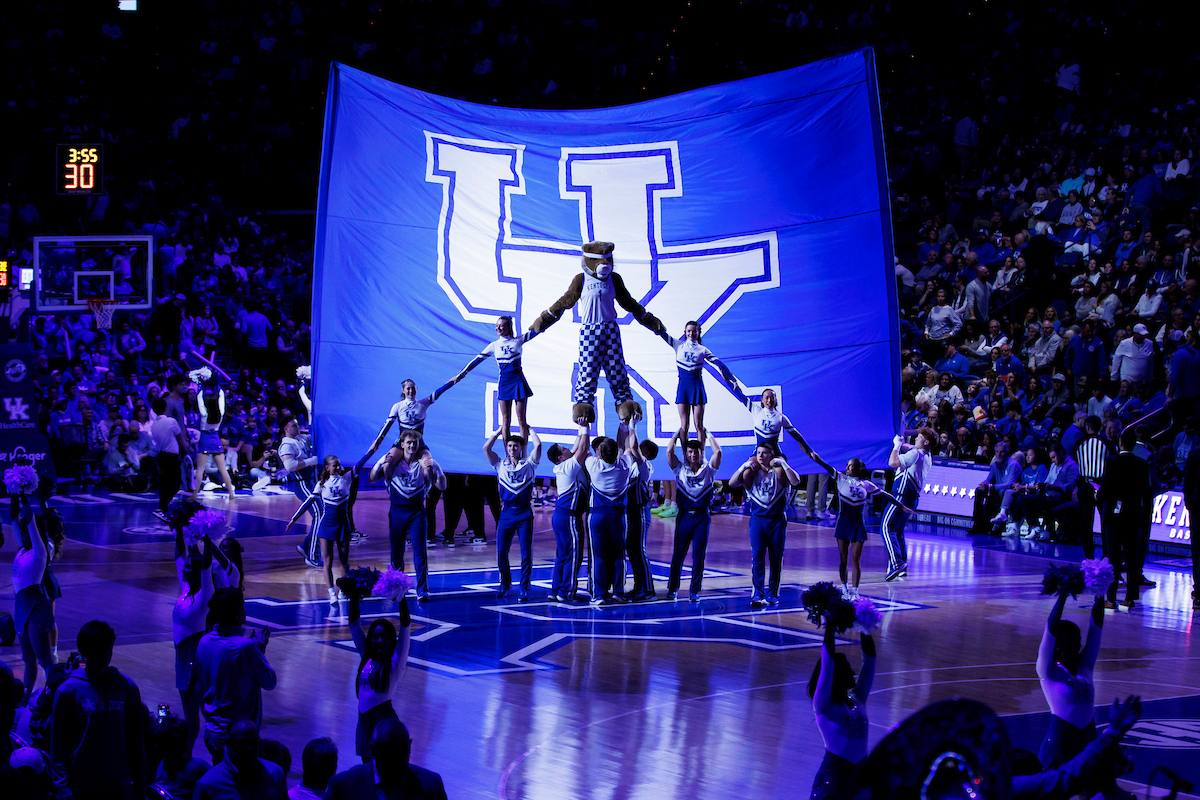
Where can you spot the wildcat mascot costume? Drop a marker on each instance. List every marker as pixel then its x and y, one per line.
pixel 597 290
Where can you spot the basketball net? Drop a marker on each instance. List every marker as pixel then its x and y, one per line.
pixel 102 312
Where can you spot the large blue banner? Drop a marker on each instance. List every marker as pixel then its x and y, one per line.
pixel 758 208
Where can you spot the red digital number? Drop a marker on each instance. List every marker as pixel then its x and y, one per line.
pixel 87 176
pixel 72 176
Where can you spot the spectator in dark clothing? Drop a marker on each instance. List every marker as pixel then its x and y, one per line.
pixel 1191 499
pixel 319 761
pixel 389 774
pixel 1126 501
pixel 8 706
pixel 242 774
pixel 96 737
pixel 178 772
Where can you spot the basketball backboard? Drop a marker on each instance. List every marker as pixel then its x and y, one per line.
pixel 68 270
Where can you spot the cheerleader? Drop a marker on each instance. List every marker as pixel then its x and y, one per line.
pixel 410 411
pixel 333 532
pixel 766 477
pixel 610 472
pixel 638 525
pixel 210 401
pixel 296 455
pixel 694 477
pixel 1065 673
pixel 33 613
pixel 570 516
pixel 410 478
pixel 854 492
pixel 840 705
pixel 913 462
pixel 690 397
pixel 189 622
pixel 514 389
pixel 384 658
pixel 515 474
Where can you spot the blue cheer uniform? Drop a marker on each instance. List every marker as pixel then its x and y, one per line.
pixel 769 424
pixel 689 363
pixel 853 496
pixel 607 518
pixel 303 484
pixel 570 526
pixel 507 352
pixel 693 493
pixel 637 504
pixel 516 519
pixel 914 466
pixel 334 492
pixel 767 493
pixel 407 489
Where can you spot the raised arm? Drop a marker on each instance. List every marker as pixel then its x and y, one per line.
pixel 227 566
pixel 306 400
pixel 866 676
pixel 492 458
pixel 715 461
pixel 673 461
pixel 626 301
pixel 1091 648
pixel 556 310
pixel 536 456
pixel 743 474
pixel 400 654
pixel 583 444
pixel 894 458
pixel 1045 657
pixel 374 446
pixel 483 356
pixel 724 370
pixel 808 451
pixel 824 689
pixel 631 442
pixel 891 498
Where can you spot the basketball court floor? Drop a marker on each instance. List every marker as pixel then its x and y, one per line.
pixel 659 700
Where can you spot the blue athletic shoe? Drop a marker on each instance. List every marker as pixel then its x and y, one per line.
pixel 757 602
pixel 500 595
pixel 693 598
pixel 524 596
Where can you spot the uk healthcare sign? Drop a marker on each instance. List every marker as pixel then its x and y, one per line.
pixel 757 208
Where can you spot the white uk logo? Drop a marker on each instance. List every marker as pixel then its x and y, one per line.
pixel 486 271
pixel 17 408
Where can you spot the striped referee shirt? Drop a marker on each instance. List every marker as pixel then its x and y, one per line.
pixel 1090 455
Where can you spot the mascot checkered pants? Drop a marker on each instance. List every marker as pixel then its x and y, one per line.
pixel 600 348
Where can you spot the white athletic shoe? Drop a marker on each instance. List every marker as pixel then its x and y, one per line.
pixel 262 483
pixel 1010 529
pixel 1001 517
pixel 1029 533
pixel 1024 530
pixel 333 596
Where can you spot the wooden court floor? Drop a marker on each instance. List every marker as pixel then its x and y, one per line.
pixel 659 700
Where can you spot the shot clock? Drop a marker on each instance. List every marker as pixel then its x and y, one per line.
pixel 80 168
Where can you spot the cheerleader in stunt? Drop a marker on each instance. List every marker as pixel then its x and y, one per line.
pixel 514 389
pixel 690 397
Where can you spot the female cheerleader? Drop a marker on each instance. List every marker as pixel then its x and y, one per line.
pixel 383 663
pixel 211 402
pixel 690 397
pixel 333 492
pixel 514 389
pixel 840 705
pixel 854 492
pixel 766 477
pixel 1065 673
pixel 189 622
pixel 33 614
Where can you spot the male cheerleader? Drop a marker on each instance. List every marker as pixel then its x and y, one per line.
pixel 570 516
pixel 410 477
pixel 913 462
pixel 295 451
pixel 766 478
pixel 515 473
pixel 611 472
pixel 638 525
pixel 694 482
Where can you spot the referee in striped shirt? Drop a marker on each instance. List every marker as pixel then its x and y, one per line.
pixel 1091 454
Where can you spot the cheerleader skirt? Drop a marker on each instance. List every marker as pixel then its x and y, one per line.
pixel 513 385
pixel 691 388
pixel 850 526
pixel 32 612
pixel 335 523
pixel 367 720
pixel 210 443
pixel 835 778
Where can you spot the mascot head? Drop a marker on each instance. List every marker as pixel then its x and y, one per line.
pixel 597 259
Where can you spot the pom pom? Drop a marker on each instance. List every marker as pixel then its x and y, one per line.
pixel 826 606
pixel 181 510
pixel 866 617
pixel 206 522
pixel 304 373
pixel 393 584
pixel 21 479
pixel 1098 575
pixel 359 582
pixel 1067 579
pixel 202 375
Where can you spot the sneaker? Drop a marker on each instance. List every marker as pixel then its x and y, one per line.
pixel 658 510
pixel 811 516
pixel 1010 529
pixel 671 511
pixel 161 516
pixel 757 602
pixel 1130 604
pixel 524 596
pixel 693 598
pixel 772 600
pixel 645 597
pixel 342 597
pixel 209 486
pixel 1037 532
pixel 333 596
pixel 313 564
pixel 261 483
pixel 423 597
pixel 356 537
pixel 553 598
pixel 1001 517
pixel 503 593
pixel 448 542
pixel 904 571
pixel 1025 534
pixel 893 574
pixel 431 538
pixel 672 595
pixel 826 515
pixel 1149 584
pixel 478 538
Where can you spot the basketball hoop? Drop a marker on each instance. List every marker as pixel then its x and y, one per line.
pixel 102 311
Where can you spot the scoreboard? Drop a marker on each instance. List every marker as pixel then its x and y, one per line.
pixel 80 169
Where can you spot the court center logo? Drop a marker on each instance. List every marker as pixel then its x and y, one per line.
pixel 1164 734
pixel 486 270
